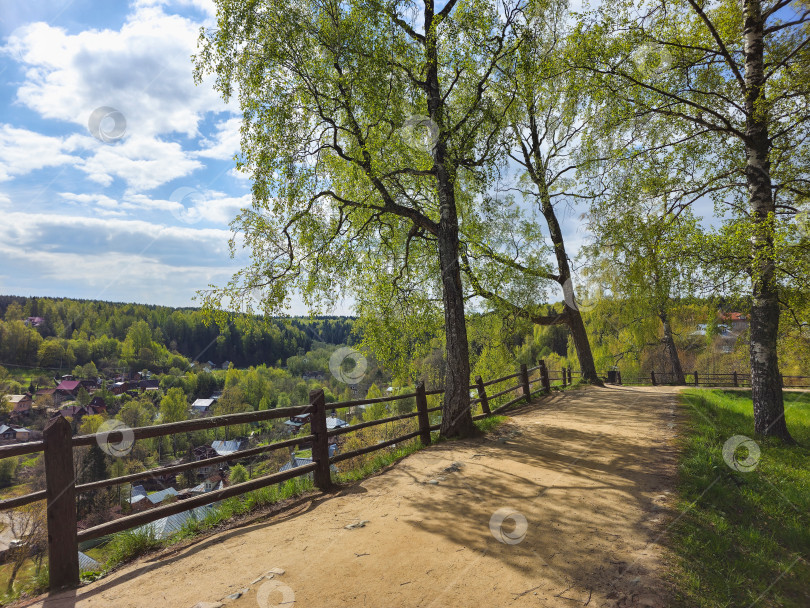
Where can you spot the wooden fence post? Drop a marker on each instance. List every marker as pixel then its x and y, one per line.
pixel 482 394
pixel 320 445
pixel 570 379
pixel 524 380
pixel 544 379
pixel 696 378
pixel 424 419
pixel 60 493
pixel 734 377
pixel 562 373
pixel 618 377
pixel 652 377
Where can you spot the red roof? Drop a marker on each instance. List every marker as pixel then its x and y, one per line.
pixel 733 316
pixel 68 385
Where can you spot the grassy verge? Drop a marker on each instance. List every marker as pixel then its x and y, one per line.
pixel 744 537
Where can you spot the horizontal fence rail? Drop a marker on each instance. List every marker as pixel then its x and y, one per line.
pixel 733 379
pixel 61 488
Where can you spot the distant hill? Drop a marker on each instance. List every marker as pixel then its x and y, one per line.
pixel 60 333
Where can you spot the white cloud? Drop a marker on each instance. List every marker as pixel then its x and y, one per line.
pixel 144 71
pixel 94 236
pixel 186 205
pixel 143 162
pixel 225 143
pixel 23 151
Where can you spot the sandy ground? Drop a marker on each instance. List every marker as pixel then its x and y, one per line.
pixel 591 471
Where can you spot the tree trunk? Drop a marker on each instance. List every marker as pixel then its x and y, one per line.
pixel 456 415
pixel 15 568
pixel 582 346
pixel 573 315
pixel 769 408
pixel 672 351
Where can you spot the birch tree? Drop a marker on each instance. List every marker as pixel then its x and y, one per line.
pixel 731 77
pixel 358 119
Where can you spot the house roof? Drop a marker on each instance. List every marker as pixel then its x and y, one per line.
pixel 157 497
pixel 69 385
pixel 17 398
pixel 294 463
pixel 45 391
pixel 299 462
pixel 5 427
pixel 223 448
pixel 138 490
pixel 335 423
pixel 87 563
pixel 72 410
pixel 173 523
pixel 203 403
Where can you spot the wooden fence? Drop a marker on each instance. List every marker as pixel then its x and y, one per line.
pixel 695 378
pixel 61 488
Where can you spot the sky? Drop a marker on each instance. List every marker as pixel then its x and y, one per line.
pixel 117 177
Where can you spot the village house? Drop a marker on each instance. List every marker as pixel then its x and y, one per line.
pixel 140 500
pixel 20 405
pixel 14 433
pixel 201 407
pixel 68 388
pixel 49 392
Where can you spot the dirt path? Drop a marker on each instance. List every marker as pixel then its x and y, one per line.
pixel 590 471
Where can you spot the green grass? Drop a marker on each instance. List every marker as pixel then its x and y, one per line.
pixel 744 537
pixel 129 544
pixel 485 425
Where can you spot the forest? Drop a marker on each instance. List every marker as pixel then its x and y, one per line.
pixel 136 336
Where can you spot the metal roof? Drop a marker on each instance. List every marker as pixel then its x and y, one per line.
pixel 173 523
pixel 157 497
pixel 223 448
pixel 335 423
pixel 87 563
pixel 299 462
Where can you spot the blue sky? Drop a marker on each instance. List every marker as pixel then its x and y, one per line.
pixel 135 207
pixel 133 210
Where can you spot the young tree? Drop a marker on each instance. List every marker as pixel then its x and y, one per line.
pixel 239 474
pixel 359 121
pixel 28 526
pixel 174 408
pixel 732 78
pixel 546 119
pixel 646 252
